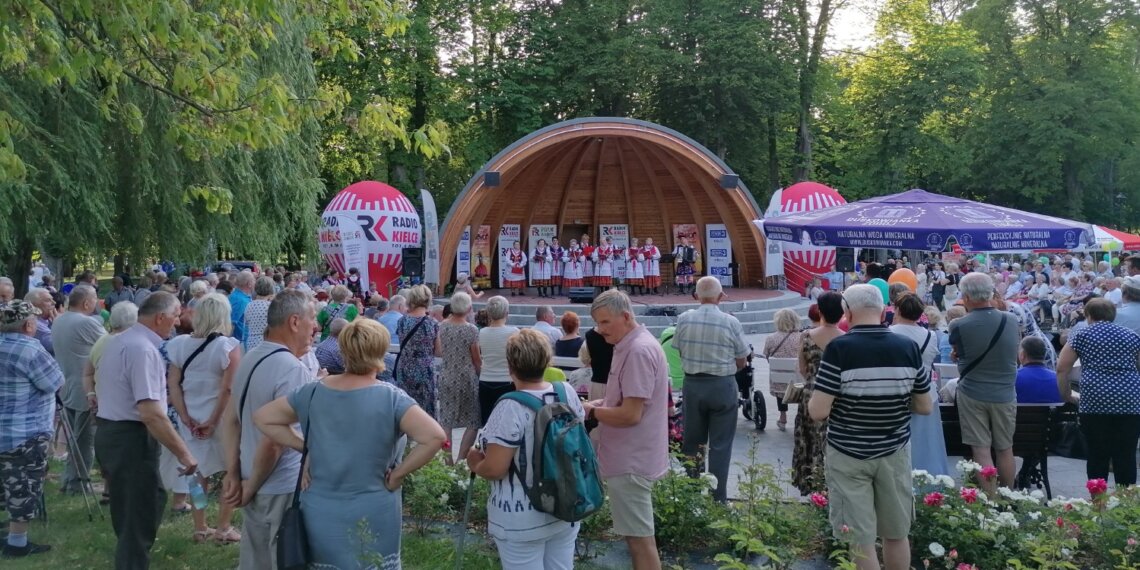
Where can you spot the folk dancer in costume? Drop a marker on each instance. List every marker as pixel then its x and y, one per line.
pixel 574 266
pixel 635 267
pixel 542 263
pixel 652 266
pixel 604 256
pixel 685 256
pixel 558 254
pixel 587 260
pixel 515 275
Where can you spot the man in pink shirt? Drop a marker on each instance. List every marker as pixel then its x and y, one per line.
pixel 633 449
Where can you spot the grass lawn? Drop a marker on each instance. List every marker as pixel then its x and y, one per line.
pixel 78 543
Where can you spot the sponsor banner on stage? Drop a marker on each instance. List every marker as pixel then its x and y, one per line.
pixel 620 235
pixel 431 239
pixel 463 254
pixel 354 247
pixel 690 231
pixel 719 252
pixel 774 258
pixel 508 235
pixel 481 258
pixel 537 232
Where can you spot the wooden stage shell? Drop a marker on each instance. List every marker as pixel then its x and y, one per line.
pixel 585 172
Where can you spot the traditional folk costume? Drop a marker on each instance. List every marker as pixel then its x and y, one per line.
pixel 588 261
pixel 542 264
pixel 634 268
pixel 557 254
pixel 685 256
pixel 652 267
pixel 574 267
pixel 515 275
pixel 604 267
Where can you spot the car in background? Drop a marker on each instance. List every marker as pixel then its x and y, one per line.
pixel 235 266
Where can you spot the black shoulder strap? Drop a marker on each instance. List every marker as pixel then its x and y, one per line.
pixel 249 380
pixel 993 341
pixel 304 449
pixel 403 343
pixel 186 365
pixel 929 335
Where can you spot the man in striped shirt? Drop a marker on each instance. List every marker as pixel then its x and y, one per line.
pixel 869 382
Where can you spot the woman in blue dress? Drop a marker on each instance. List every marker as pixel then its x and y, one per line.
pixel 419 345
pixel 927 447
pixel 355 427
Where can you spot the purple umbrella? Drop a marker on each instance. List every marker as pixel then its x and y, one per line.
pixel 917 219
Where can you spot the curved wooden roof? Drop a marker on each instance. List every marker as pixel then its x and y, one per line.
pixel 587 172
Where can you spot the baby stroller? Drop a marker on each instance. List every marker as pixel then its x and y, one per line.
pixel 751 401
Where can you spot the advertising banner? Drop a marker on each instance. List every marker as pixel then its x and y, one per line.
pixel 620 235
pixel 537 232
pixel 354 248
pixel 719 254
pixel 689 231
pixel 463 254
pixel 774 258
pixel 508 235
pixel 481 258
pixel 431 239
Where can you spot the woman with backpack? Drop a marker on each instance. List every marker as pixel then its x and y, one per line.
pixel 339 307
pixel 527 537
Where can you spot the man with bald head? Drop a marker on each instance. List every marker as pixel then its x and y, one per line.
pixel 73 334
pixel 41 299
pixel 328 351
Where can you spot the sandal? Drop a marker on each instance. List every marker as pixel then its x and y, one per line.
pixel 782 426
pixel 229 535
pixel 181 509
pixel 201 536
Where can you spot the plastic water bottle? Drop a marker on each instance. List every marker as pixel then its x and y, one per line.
pixel 197 493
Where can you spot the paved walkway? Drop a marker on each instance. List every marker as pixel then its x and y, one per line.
pixel 774 447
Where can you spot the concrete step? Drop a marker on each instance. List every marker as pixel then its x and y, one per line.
pixel 755 320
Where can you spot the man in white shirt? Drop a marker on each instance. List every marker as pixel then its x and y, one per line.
pixel 544 323
pixel 1112 291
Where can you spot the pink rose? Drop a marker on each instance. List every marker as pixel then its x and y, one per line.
pixel 964 566
pixel 989 472
pixel 845 529
pixel 819 500
pixel 1097 486
pixel 1131 541
pixel 969 494
pixel 933 499
pixel 1060 522
pixel 953 554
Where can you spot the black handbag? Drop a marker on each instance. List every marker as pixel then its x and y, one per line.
pixel 292 540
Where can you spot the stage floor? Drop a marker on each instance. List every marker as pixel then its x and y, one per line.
pixel 671 298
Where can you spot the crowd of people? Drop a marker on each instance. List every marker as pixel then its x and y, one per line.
pixel 308 394
pixel 879 359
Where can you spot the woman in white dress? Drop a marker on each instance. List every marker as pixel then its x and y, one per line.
pixel 635 267
pixel 201 373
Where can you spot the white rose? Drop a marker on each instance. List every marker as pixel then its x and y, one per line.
pixel 937 550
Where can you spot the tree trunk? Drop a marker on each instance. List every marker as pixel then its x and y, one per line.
pixel 19 265
pixel 118 264
pixel 1073 191
pixel 773 154
pixel 811 50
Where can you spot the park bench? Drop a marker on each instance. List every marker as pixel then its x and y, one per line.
pixel 1036 424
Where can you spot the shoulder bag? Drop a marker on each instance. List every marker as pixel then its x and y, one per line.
pixel 292 540
pixel 993 341
pixel 403 343
pixel 186 365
